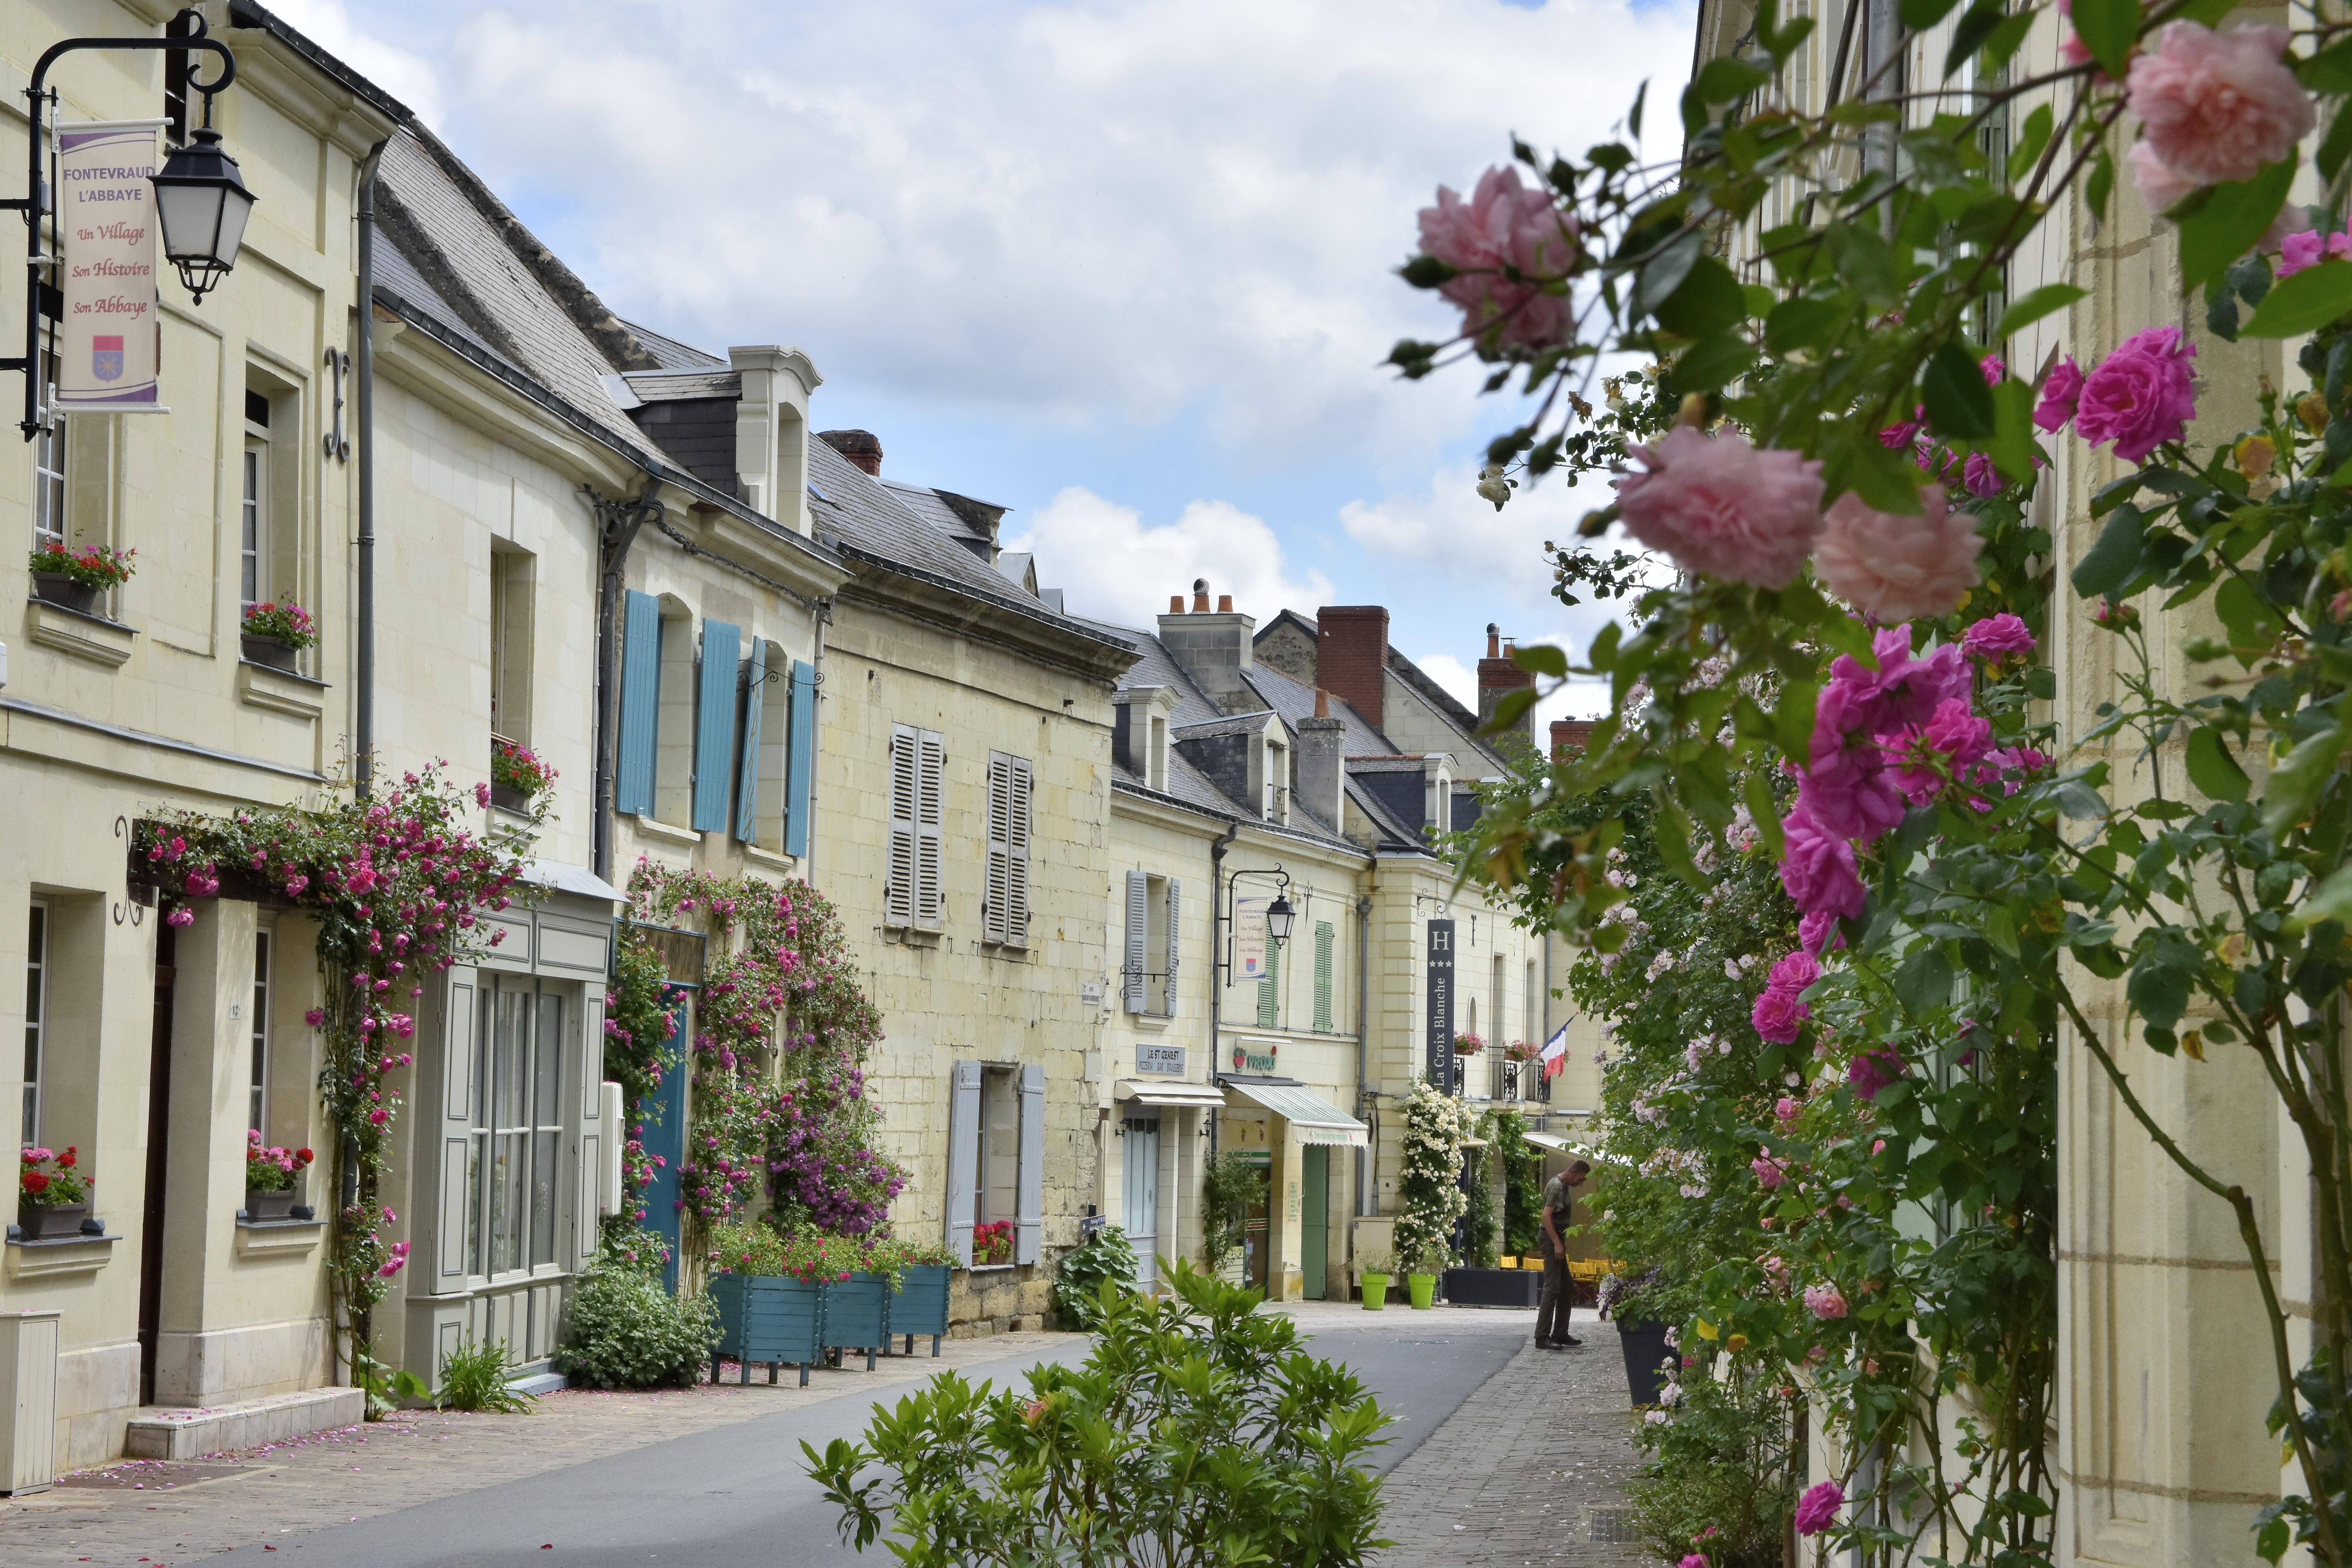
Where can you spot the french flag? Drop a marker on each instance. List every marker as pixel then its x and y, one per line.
pixel 1555 1054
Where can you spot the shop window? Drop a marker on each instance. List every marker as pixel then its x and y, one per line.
pixel 513 1167
pixel 36 1015
pixel 997 1157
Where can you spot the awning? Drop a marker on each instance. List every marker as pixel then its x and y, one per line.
pixel 1313 1118
pixel 1190 1096
pixel 1552 1141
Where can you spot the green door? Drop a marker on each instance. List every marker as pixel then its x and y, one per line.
pixel 1315 1223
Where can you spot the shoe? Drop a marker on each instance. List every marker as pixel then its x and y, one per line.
pixel 1549 1345
pixel 1567 1342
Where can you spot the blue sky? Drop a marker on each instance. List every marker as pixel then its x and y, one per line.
pixel 1120 265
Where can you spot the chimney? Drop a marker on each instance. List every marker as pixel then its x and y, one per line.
pixel 1224 604
pixel 1569 735
pixel 862 448
pixel 1498 676
pixel 1322 762
pixel 1214 648
pixel 1175 604
pixel 1352 655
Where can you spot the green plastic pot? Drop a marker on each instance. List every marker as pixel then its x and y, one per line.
pixel 1376 1292
pixel 1423 1288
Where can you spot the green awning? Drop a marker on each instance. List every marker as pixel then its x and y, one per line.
pixel 1313 1118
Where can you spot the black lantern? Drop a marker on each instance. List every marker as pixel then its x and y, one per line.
pixel 201 205
pixel 1278 916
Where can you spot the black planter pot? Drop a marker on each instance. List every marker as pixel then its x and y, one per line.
pixel 506 797
pixel 46 1222
pixel 269 651
pixel 1646 1356
pixel 57 588
pixel 271 1205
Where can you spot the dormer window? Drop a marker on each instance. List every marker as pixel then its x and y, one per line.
pixel 1276 805
pixel 1156 754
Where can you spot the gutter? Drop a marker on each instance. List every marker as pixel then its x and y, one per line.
pixel 1366 1103
pixel 617 523
pixel 1217 848
pixel 363 405
pixel 823 618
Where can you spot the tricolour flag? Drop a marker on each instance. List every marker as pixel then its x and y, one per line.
pixel 1555 1054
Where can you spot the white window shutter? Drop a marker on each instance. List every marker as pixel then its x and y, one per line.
pixel 1131 972
pixel 1017 851
pixel 929 772
pixel 963 1159
pixel 899 897
pixel 1175 927
pixel 1029 1230
pixel 995 923
pixel 456 1132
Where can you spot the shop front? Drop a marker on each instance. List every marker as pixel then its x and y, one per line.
pixel 1291 1242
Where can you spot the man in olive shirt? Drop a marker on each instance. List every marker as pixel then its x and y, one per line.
pixel 1552 1317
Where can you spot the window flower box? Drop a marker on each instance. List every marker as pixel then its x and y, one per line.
pixel 772 1319
pixel 273 1180
pixel 52 1195
pixel 73 578
pixel 48 1222
pixel 274 635
pixel 57 588
pixel 991 1244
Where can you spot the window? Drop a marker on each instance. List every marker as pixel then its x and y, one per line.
pixel 1156 754
pixel 999 1196
pixel 673 791
pixel 510 644
pixel 517 1143
pixel 1269 990
pixel 774 793
pixel 50 468
pixel 997 1157
pixel 1276 805
pixel 1154 928
pixel 1324 940
pixel 36 1019
pixel 918 761
pixel 257 1108
pixel 1004 916
pixel 1495 1013
pixel 253 547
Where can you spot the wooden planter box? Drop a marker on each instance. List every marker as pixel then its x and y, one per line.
pixel 857 1314
pixel 920 1307
pixel 767 1319
pixel 1494 1287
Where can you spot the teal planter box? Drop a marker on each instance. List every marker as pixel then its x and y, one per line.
pixel 920 1307
pixel 857 1314
pixel 766 1319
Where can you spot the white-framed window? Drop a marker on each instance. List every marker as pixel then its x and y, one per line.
pixel 673 730
pixel 510 644
pixel 1277 781
pixel 1004 916
pixel 36 1019
pixel 1156 754
pixel 253 512
pixel 997 1157
pixel 513 1168
pixel 49 466
pixel 257 1110
pixel 1154 930
pixel 918 777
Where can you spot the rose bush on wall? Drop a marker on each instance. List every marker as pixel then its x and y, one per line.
pixel 1429 1199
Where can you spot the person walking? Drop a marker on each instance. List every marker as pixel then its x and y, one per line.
pixel 1552 1317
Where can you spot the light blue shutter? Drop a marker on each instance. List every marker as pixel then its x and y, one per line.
pixel 714 726
pixel 1029 1222
pixel 800 758
pixel 747 781
pixel 640 703
pixel 963 1159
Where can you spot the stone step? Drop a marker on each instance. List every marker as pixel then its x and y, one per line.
pixel 176 1432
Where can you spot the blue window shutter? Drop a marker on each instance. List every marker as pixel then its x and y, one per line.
pixel 714 726
pixel 640 703
pixel 747 780
pixel 800 759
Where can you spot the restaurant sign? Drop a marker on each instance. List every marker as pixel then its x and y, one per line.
pixel 1168 1061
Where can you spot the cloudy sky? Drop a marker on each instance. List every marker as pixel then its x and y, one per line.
pixel 1123 265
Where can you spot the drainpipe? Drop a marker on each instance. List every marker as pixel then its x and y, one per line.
pixel 1367 1157
pixel 363 405
pixel 1217 848
pixel 823 619
pixel 617 523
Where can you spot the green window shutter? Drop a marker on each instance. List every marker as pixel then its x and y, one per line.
pixel 640 703
pixel 1269 990
pixel 1323 975
pixel 747 778
pixel 800 759
pixel 714 726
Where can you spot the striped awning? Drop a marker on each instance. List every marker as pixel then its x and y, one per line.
pixel 1313 1118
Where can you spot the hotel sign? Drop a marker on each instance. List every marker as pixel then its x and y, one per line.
pixel 1440 1049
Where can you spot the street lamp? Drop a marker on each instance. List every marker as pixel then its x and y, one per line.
pixel 1278 916
pixel 201 204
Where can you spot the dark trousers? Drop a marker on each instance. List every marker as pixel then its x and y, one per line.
pixel 1552 1316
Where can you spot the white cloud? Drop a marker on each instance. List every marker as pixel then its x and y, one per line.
pixel 1450 530
pixel 1112 567
pixel 1458 679
pixel 403 73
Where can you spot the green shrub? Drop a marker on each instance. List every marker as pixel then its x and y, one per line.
pixel 1230 1185
pixel 1717 1479
pixel 1197 1431
pixel 624 1330
pixel 477 1377
pixel 1107 1256
pixel 1479 1217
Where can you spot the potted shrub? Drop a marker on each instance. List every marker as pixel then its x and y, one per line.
pixel 1421 1279
pixel 273 1180
pixel 1647 1342
pixel 516 776
pixel 991 1244
pixel 74 579
pixel 52 1195
pixel 1372 1269
pixel 1467 1045
pixel 274 634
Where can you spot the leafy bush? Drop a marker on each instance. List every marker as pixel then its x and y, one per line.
pixel 1198 1431
pixel 624 1330
pixel 478 1376
pixel 1478 1215
pixel 1107 1256
pixel 1229 1186
pixel 1717 1481
pixel 1522 1185
pixel 1430 1189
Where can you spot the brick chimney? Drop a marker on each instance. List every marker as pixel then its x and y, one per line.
pixel 1322 762
pixel 862 448
pixel 1497 677
pixel 1214 647
pixel 1352 656
pixel 1569 735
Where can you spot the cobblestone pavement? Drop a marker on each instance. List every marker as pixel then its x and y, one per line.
pixel 1529 1469
pixel 147 1512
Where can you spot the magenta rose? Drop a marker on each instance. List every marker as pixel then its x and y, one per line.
pixel 1849 794
pixel 1817 869
pixel 1996 636
pixel 1720 506
pixel 1873 1072
pixel 1818 1509
pixel 1794 972
pixel 2309 248
pixel 1777 1016
pixel 2141 395
pixel 1815 931
pixel 2060 393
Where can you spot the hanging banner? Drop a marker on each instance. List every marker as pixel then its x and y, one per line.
pixel 110 343
pixel 1440 1053
pixel 1249 936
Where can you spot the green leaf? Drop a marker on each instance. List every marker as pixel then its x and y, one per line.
pixel 1793 717
pixel 1804 323
pixel 2232 217
pixel 1728 79
pixel 1757 790
pixel 2212 769
pixel 2043 301
pixel 1542 658
pixel 1924 983
pixel 1708 363
pixel 1959 402
pixel 2101 184
pixel 1968 34
pixel 1509 708
pixel 1663 273
pixel 1641 97
pixel 2109 564
pixel 1671 839
pixel 2031 138
pixel 2001 929
pixel 2108 29
pixel 2298 779
pixel 2304 302
pixel 2329 70
pixel 1921 15
pixel 1997 49
pixel 2012 430
pixel 2331 900
pixel 1708 301
pixel 2335 146
pixel 2159 992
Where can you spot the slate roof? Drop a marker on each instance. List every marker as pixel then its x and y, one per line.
pixel 1413 675
pixel 683 385
pixel 672 354
pixel 1208 729
pixel 1294 700
pixel 933 508
pixel 1154 666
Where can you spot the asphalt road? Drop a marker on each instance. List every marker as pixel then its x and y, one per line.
pixel 736 1497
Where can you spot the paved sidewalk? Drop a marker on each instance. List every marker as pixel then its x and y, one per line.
pixel 1530 1469
pixel 148 1511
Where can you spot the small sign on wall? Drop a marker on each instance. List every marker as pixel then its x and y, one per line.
pixel 1090 994
pixel 1165 1061
pixel 1257 1055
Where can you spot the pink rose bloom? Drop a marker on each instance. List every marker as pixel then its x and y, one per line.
pixel 1849 793
pixel 1817 871
pixel 1720 506
pixel 1892 567
pixel 1957 732
pixel 1825 1301
pixel 1815 931
pixel 1794 972
pixel 2061 390
pixel 1980 477
pixel 180 917
pixel 1871 1071
pixel 1786 1109
pixel 1769 1172
pixel 2218 106
pixel 1997 635
pixel 1818 1509
pixel 2308 248
pixel 2141 395
pixel 2160 185
pixel 1692 1560
pixel 1895 437
pixel 1777 1016
pixel 1505 224
pixel 315 1017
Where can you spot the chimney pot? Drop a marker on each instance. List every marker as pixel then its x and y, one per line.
pixel 1224 604
pixel 862 448
pixel 1175 604
pixel 1569 735
pixel 1200 596
pixel 1493 642
pixel 1322 703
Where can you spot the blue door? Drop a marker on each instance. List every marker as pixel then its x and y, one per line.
pixel 664 1119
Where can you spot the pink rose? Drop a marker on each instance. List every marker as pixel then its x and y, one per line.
pixel 180 918
pixel 1505 224
pixel 2141 395
pixel 1777 1016
pixel 1825 1301
pixel 1794 972
pixel 1769 1172
pixel 2160 185
pixel 1720 506
pixel 315 1017
pixel 1848 793
pixel 1817 870
pixel 1786 1109
pixel 1997 635
pixel 2218 106
pixel 1873 1072
pixel 1818 1509
pixel 2061 390
pixel 1892 567
pixel 482 795
pixel 1814 931
pixel 1980 477
pixel 1692 1560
